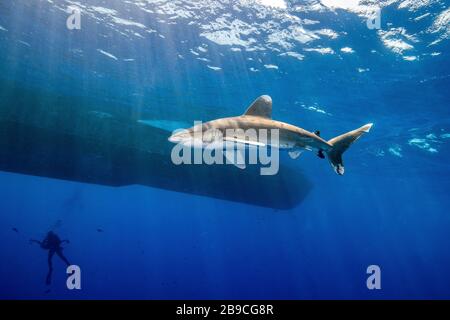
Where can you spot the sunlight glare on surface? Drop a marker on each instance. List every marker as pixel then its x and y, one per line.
pixel 343 4
pixel 274 3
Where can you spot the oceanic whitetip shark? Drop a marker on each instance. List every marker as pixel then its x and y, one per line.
pixel 291 138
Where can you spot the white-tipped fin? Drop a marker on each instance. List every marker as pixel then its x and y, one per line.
pixel 235 157
pixel 261 107
pixel 366 128
pixel 295 154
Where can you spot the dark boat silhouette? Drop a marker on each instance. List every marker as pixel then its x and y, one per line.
pixel 77 139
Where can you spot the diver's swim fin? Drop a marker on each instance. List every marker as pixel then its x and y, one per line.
pixel 48 280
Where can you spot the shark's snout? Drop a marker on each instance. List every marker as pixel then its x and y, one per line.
pixel 174 138
pixel 180 136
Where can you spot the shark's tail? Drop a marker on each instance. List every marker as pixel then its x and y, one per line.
pixel 341 144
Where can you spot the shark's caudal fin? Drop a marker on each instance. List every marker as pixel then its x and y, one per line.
pixel 341 144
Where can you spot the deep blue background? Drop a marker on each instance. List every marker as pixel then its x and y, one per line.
pixel 390 208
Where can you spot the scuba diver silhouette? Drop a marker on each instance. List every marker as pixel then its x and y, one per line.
pixel 52 243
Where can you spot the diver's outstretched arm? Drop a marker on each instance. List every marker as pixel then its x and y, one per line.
pixel 67 241
pixel 36 241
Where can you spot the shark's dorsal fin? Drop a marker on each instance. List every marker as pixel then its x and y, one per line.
pixel 261 107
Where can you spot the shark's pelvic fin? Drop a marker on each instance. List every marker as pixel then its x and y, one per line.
pixel 261 107
pixel 235 157
pixel 341 144
pixel 295 154
pixel 320 154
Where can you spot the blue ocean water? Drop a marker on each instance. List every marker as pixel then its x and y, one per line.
pixel 173 62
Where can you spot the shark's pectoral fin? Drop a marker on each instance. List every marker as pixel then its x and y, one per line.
pixel 240 166
pixel 240 158
pixel 235 157
pixel 295 154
